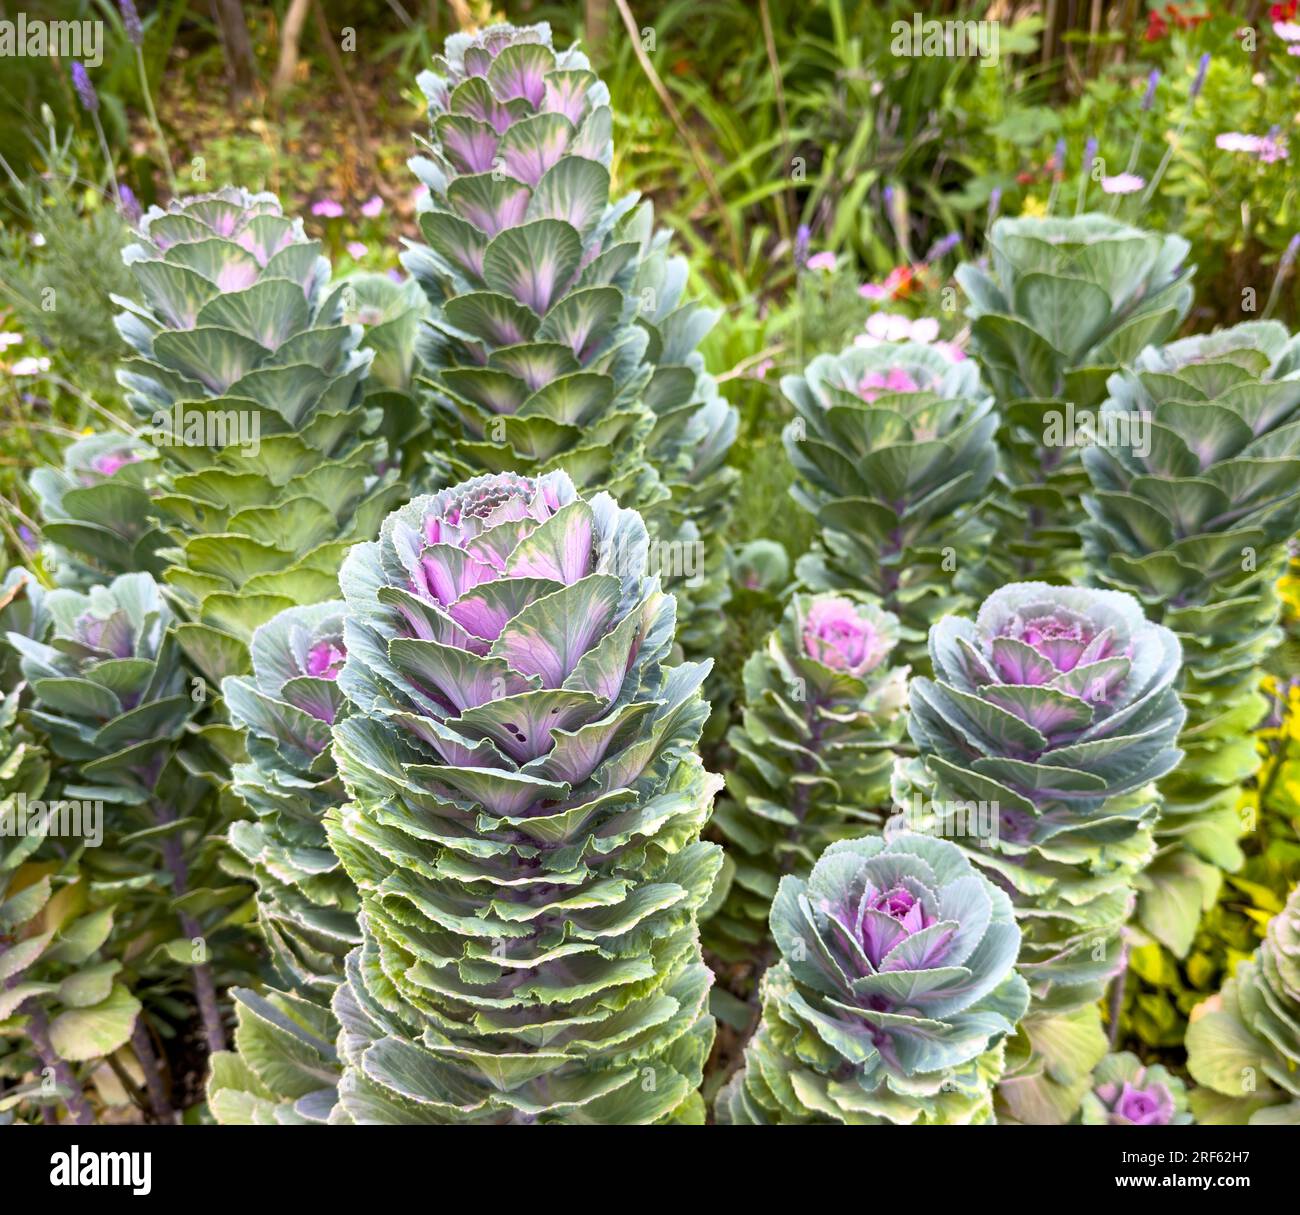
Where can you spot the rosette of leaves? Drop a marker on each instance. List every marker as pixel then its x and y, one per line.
pixel 559 335
pixel 895 992
pixel 1194 520
pixel 253 387
pixel 1243 1045
pixel 111 692
pixel 1048 720
pixel 812 756
pixel 95 511
pixel 1127 1092
pixel 893 449
pixel 524 830
pixel 307 908
pixel 1062 303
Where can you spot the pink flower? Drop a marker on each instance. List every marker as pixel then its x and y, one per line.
pixel 373 207
pixel 1268 148
pixel 1234 141
pixel 838 636
pixel 30 366
pixel 894 380
pixel 356 250
pixel 328 208
pixel 951 351
pixel 888 327
pixel 1122 183
pixel 1288 31
pixel 822 261
pixel 924 330
pixel 10 339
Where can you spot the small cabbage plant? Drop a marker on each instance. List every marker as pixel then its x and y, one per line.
pixel 893 450
pixel 1243 1045
pixel 1195 490
pixel 96 511
pixel 1127 1092
pixel 525 818
pixel 894 995
pixel 813 755
pixel 1053 712
pixel 110 691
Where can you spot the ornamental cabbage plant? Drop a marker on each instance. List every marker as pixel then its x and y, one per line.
pixel 1243 1045
pixel 813 755
pixel 1127 1092
pixel 284 1068
pixel 96 509
pixel 525 818
pixel 252 387
pixel 894 995
pixel 559 336
pixel 110 691
pixel 893 449
pixel 1194 521
pixel 1062 303
pixel 306 905
pixel 61 1001
pixel 1053 712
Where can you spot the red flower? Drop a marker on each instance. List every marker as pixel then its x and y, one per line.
pixel 1157 27
pixel 1284 12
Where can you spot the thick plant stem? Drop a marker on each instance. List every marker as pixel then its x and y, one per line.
pixel 1116 1004
pixel 38 1030
pixel 205 991
pixel 149 1066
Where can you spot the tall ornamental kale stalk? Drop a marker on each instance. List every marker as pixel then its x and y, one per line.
pixel 892 447
pixel 1062 304
pixel 559 336
pixel 524 829
pixel 1243 1045
pixel 1192 514
pixel 894 996
pixel 823 708
pixel 1053 712
pixel 111 692
pixel 284 1068
pixel 252 386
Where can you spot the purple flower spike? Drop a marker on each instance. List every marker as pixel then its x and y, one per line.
pixel 1199 82
pixel 85 90
pixel 131 22
pixel 129 205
